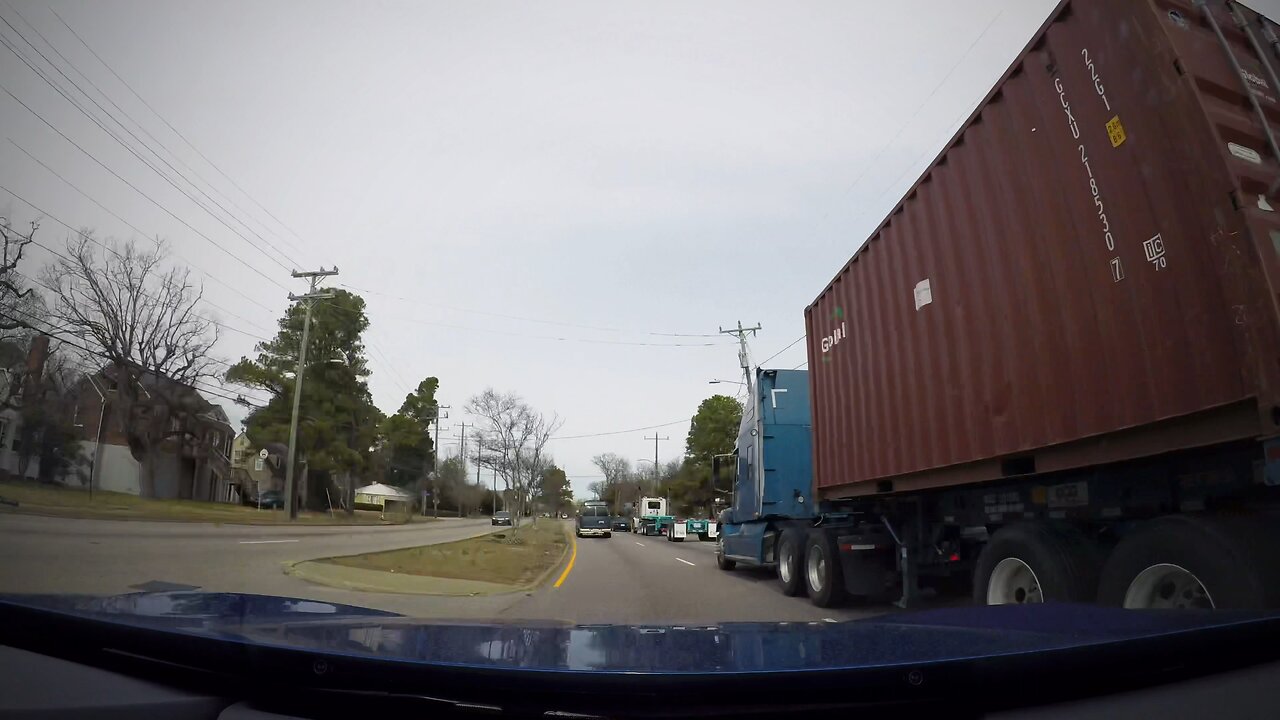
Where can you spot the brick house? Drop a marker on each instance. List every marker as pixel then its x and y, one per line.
pixel 193 462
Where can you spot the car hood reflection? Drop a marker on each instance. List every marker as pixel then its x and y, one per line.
pixel 900 638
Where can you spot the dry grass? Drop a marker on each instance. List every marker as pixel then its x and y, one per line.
pixel 37 499
pixel 503 557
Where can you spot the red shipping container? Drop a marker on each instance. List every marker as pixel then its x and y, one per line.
pixel 1087 273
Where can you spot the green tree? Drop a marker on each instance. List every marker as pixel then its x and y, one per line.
pixel 714 429
pixel 557 495
pixel 338 422
pixel 405 437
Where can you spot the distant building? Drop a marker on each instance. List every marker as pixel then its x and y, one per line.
pixel 192 462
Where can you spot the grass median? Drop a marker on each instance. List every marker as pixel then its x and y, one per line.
pixel 40 499
pixel 518 558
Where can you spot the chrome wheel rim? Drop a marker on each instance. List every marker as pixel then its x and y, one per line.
pixel 817 570
pixel 1013 582
pixel 784 563
pixel 1167 586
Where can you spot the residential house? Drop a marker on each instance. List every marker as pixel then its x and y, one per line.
pixel 23 382
pixel 253 473
pixel 192 462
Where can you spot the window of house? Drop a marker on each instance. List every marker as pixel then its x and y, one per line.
pixel 4 434
pixel 257 465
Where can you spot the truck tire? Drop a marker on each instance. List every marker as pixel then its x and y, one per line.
pixel 1188 561
pixel 723 562
pixel 1035 562
pixel 791 562
pixel 823 574
pixel 702 537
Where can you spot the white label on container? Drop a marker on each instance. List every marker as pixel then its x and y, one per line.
pixel 1068 495
pixel 924 293
pixel 1245 153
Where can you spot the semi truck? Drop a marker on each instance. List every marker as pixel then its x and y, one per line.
pixel 652 517
pixel 1052 372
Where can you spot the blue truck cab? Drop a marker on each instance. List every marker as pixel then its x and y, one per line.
pixel 774 473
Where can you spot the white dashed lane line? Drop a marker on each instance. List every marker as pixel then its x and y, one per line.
pixel 686 562
pixel 640 544
pixel 264 542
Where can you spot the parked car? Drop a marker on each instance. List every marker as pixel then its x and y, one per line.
pixel 502 517
pixel 271 499
pixel 621 524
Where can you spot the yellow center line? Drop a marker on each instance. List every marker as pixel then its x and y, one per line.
pixel 572 556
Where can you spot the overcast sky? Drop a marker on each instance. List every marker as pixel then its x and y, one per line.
pixel 540 197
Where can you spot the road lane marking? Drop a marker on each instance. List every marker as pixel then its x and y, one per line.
pixel 686 562
pixel 640 544
pixel 264 542
pixel 573 556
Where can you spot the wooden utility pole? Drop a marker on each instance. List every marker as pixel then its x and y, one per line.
pixel 290 492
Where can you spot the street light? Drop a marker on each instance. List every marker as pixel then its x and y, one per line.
pixel 729 382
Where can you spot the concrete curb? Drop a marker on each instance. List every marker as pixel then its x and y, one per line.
pixel 349 578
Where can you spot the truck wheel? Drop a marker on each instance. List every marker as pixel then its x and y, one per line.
pixel 1035 562
pixel 823 575
pixel 1186 561
pixel 723 562
pixel 791 562
pixel 702 537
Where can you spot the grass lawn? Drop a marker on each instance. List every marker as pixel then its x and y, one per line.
pixel 502 557
pixel 35 498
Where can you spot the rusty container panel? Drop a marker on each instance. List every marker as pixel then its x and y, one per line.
pixel 1087 273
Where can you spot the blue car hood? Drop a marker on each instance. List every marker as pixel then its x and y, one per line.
pixel 898 639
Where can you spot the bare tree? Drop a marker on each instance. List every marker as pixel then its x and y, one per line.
pixel 513 445
pixel 617 472
pixel 137 315
pixel 22 312
pixel 13 292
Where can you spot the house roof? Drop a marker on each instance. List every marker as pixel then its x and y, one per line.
pixel 384 490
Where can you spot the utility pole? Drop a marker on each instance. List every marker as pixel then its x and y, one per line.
pixel 435 463
pixel 290 492
pixel 744 358
pixel 655 440
pixel 462 451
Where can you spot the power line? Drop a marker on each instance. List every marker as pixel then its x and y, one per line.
pixel 619 432
pixel 153 138
pixel 788 347
pixel 153 201
pixel 588 341
pixel 179 134
pixel 51 251
pixel 903 126
pixel 505 316
pixel 122 126
pixel 194 383
pixel 91 199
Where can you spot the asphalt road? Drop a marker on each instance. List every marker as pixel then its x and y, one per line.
pixel 623 579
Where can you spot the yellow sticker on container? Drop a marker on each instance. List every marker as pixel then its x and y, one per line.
pixel 1115 131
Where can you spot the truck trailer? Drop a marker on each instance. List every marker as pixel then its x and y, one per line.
pixel 1053 371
